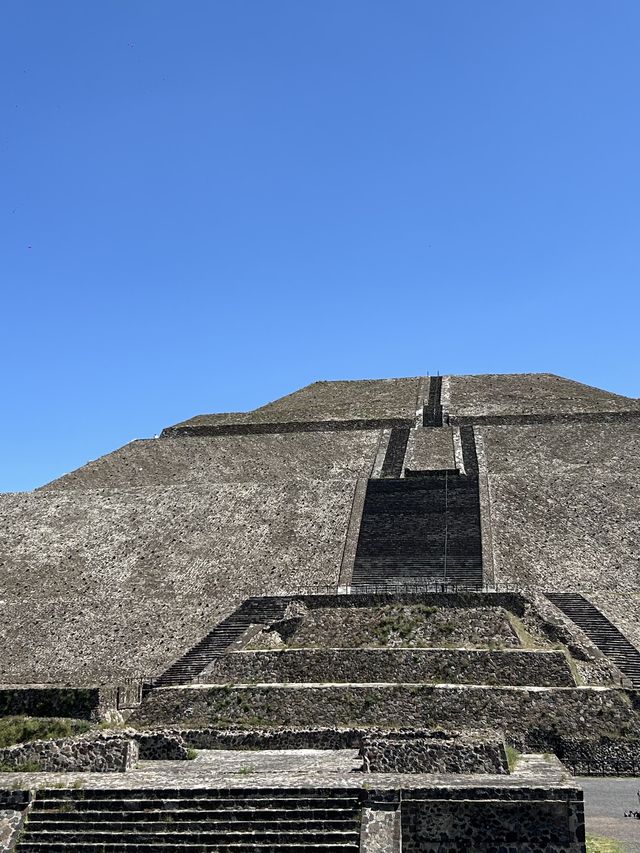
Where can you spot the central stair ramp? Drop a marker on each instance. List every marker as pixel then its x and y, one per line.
pixel 418 530
pixel 600 631
pixel 254 611
pixel 270 820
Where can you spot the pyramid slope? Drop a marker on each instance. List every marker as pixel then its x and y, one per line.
pixel 118 568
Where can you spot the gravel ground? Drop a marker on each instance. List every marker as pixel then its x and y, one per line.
pixel 606 801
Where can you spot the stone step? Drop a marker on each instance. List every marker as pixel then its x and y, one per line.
pixel 194 809
pixel 185 847
pixel 218 795
pixel 245 818
pixel 263 835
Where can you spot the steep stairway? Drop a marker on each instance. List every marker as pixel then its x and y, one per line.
pixel 600 631
pixel 418 530
pixel 254 611
pixel 432 411
pixel 276 820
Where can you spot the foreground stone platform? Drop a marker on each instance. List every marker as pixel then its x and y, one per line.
pixel 536 808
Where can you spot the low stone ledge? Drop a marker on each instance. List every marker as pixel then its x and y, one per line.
pixel 161 746
pixel 440 752
pixel 91 754
pixel 445 666
pixel 604 756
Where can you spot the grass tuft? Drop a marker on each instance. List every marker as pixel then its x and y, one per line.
pixel 596 844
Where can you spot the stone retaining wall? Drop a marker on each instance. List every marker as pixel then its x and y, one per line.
pixel 80 703
pixel 91 754
pixel 445 666
pixel 514 710
pixel 11 820
pixel 604 756
pixel 446 753
pixel 438 824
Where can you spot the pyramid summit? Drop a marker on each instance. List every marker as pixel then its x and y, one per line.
pixel 360 563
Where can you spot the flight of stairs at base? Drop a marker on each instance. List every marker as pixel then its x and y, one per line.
pixel 600 631
pixel 193 821
pixel 254 611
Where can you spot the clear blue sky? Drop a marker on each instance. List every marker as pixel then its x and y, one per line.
pixel 207 204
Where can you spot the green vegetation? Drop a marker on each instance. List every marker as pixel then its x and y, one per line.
pixel 572 666
pixel 24 729
pixel 512 757
pixel 25 767
pixel 402 620
pixel 596 844
pixel 527 641
pixel 191 754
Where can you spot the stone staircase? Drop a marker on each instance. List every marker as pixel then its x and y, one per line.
pixel 396 451
pixel 600 631
pixel 432 411
pixel 254 611
pixel 418 530
pixel 153 820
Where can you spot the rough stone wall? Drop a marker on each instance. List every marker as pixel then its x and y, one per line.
pixel 405 623
pixel 452 754
pixel 519 826
pixel 229 459
pixel 563 505
pixel 90 754
pixel 594 757
pixel 483 395
pixel 348 401
pixel 75 703
pixel 446 666
pixel 13 809
pixel 581 711
pixel 430 450
pixel 113 584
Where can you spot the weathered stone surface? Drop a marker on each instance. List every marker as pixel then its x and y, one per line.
pixel 446 666
pixel 604 756
pixel 566 532
pixel 328 402
pixel 79 703
pixel 557 449
pixel 380 829
pixel 588 711
pixel 109 584
pixel 482 395
pixel 229 459
pixel 430 450
pixel 424 621
pixel 438 825
pixel 10 822
pixel 94 754
pixel 441 752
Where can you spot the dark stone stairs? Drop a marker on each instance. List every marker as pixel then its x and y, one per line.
pixel 420 529
pixel 254 611
pixel 600 631
pixel 276 820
